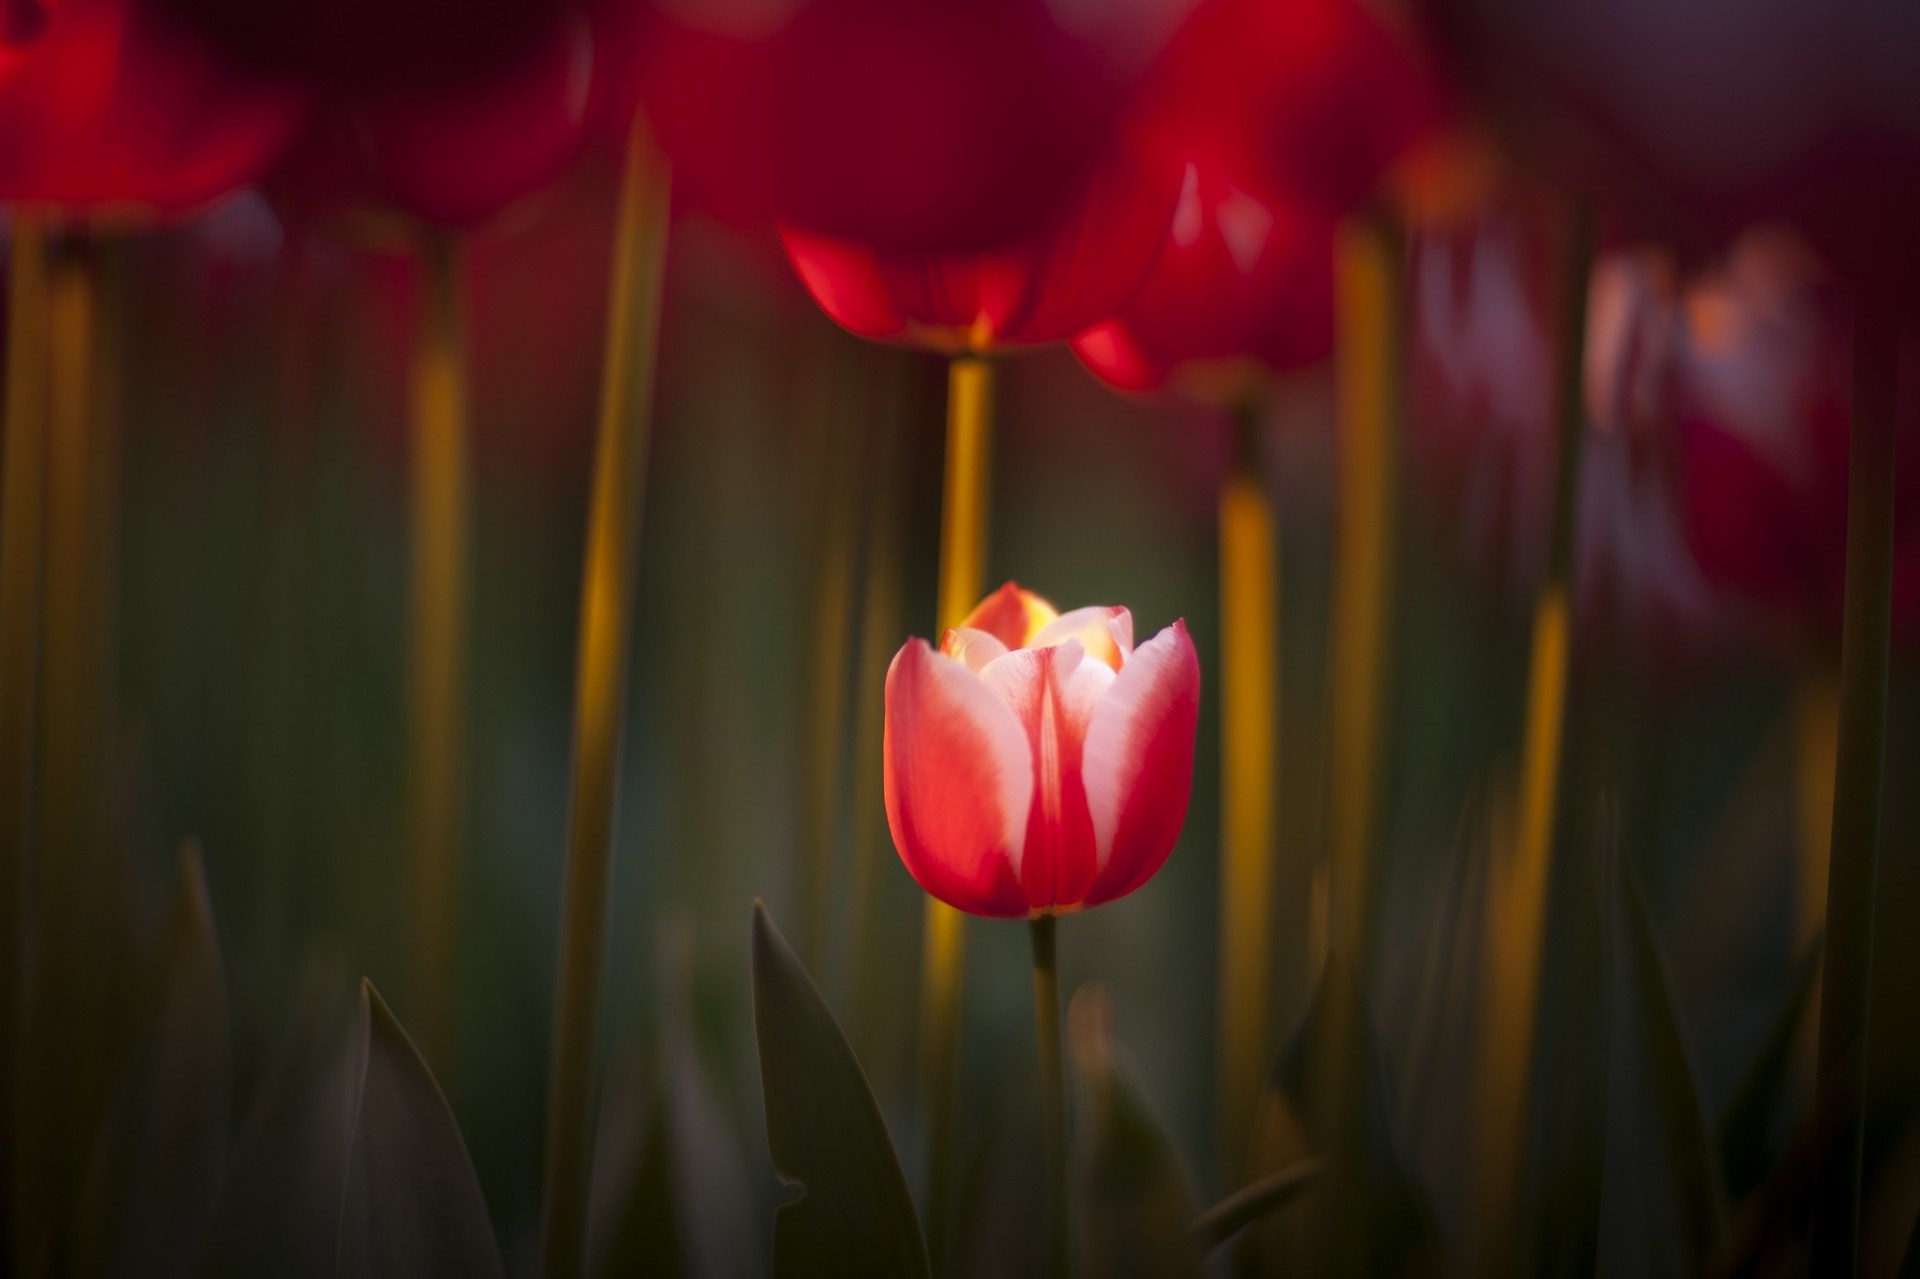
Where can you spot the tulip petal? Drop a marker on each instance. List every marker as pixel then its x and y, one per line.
pixel 958 780
pixel 1107 633
pixel 1053 693
pixel 1137 762
pixel 973 647
pixel 1011 615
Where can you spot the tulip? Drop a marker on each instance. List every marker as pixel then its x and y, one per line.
pixel 102 107
pixel 1045 286
pixel 911 125
pixel 1039 763
pixel 1240 278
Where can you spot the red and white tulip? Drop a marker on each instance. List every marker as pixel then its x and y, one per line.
pixel 1037 762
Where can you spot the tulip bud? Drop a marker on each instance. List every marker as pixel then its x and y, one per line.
pixel 1037 762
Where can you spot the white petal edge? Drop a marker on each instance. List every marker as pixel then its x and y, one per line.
pixel 1111 760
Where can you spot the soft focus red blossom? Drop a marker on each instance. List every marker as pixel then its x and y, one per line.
pixel 1312 100
pixel 904 124
pixel 1240 279
pixel 102 106
pixel 1038 762
pixel 1484 440
pixel 451 155
pixel 1045 286
pixel 1763 386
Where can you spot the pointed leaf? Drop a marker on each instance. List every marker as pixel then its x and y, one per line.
pixel 280 1208
pixel 826 1135
pixel 412 1204
pixel 1660 1209
pixel 1137 1208
pixel 1327 1099
pixel 156 1171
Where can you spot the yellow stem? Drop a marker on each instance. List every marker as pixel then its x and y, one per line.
pixel 1249 729
pixel 1816 735
pixel 1519 885
pixel 441 540
pixel 23 474
pixel 963 545
pixel 606 628
pixel 1369 371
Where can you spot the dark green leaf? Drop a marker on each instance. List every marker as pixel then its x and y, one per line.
pixel 826 1135
pixel 1745 1135
pixel 1660 1210
pixel 280 1209
pixel 1327 1100
pixel 670 1188
pixel 412 1204
pixel 1138 1213
pixel 156 1169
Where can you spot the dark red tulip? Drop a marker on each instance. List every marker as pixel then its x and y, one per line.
pixel 903 124
pixel 1240 278
pixel 1313 99
pixel 371 46
pixel 102 106
pixel 450 155
pixel 1046 286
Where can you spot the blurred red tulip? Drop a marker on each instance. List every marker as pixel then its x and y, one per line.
pixel 1483 440
pixel 451 155
pixel 1240 278
pixel 1312 100
pixel 1044 287
pixel 903 124
pixel 102 106
pixel 1763 385
pixel 1038 763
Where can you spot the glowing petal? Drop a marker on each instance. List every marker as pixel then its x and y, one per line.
pixel 1137 762
pixel 958 782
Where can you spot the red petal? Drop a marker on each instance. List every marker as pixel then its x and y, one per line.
pixel 1138 762
pixel 958 781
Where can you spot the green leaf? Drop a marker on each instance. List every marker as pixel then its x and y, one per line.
pixel 671 1194
pixel 156 1169
pixel 412 1204
pixel 280 1209
pixel 826 1135
pixel 1660 1210
pixel 1138 1213
pixel 1744 1136
pixel 1327 1100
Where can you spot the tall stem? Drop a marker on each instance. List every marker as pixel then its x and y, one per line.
pixel 1369 373
pixel 1053 1091
pixel 441 540
pixel 1249 732
pixel 606 627
pixel 22 512
pixel 1519 887
pixel 963 550
pixel 1864 639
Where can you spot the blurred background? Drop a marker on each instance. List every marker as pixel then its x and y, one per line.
pixel 244 670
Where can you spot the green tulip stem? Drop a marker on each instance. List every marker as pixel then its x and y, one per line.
pixel 1053 1091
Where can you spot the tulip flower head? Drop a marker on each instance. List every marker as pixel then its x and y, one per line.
pixel 1037 762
